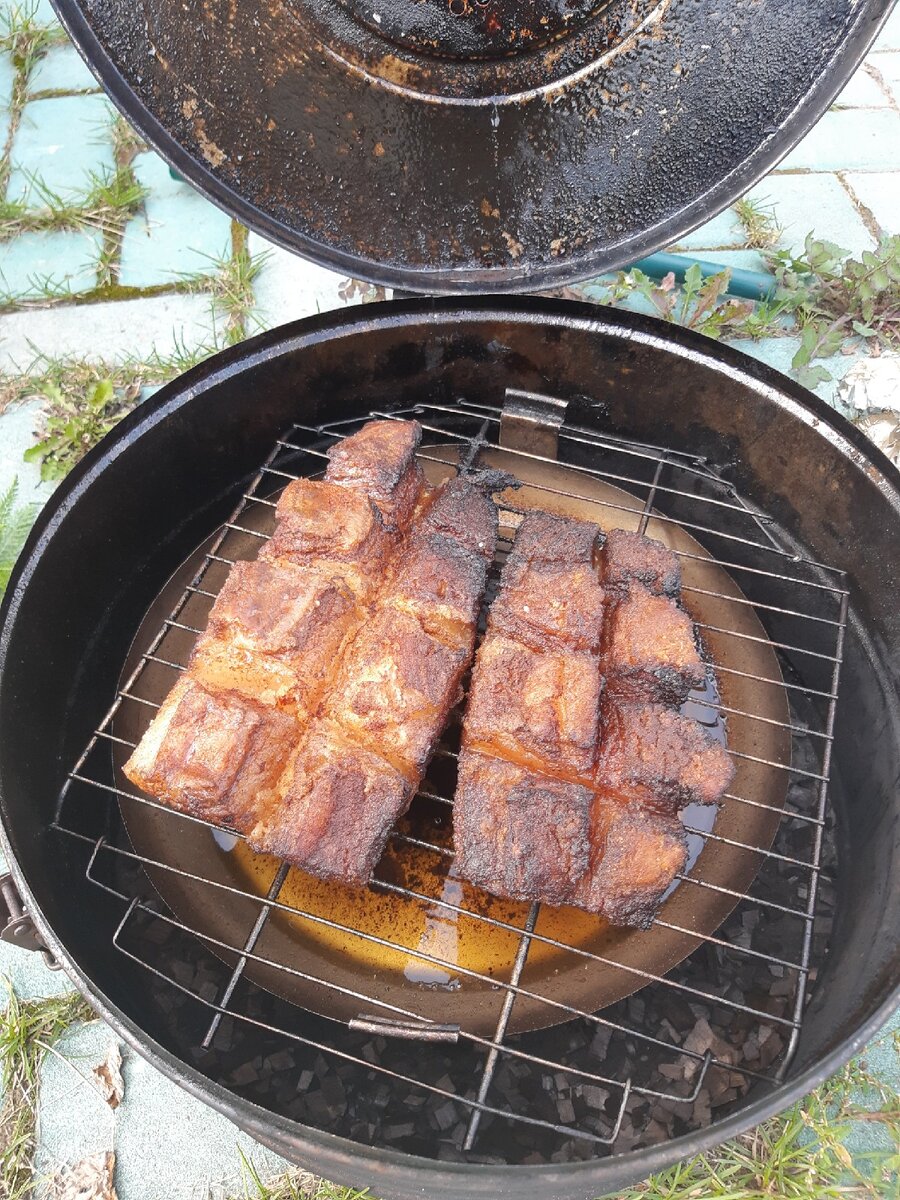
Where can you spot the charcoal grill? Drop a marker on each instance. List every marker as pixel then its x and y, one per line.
pixel 393 1090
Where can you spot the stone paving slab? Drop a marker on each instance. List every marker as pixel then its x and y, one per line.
pixel 289 287
pixel 111 332
pixel 16 435
pixel 7 77
pixel 888 68
pixel 61 260
pixel 177 233
pixel 62 69
pixel 64 141
pixel 848 140
pixel 819 202
pixel 879 191
pixel 179 1150
pixel 863 91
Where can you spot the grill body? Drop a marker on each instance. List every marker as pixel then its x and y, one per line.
pixel 147 496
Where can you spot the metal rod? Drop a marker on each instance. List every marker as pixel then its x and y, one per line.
pixel 800 997
pixel 327 1048
pixel 490 1066
pixel 410 1022
pixel 651 496
pixel 249 945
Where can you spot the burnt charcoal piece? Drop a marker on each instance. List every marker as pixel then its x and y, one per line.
pixel 213 754
pixel 538 707
pixel 395 688
pixel 658 757
pixel 380 462
pixel 649 652
pixel 337 805
pixel 628 558
pixel 635 856
pixel 519 834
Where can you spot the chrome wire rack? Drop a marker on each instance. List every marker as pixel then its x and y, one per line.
pixel 504 1077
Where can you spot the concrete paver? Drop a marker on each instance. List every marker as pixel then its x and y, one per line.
pixel 64 142
pixel 814 202
pixel 177 233
pixel 111 332
pixel 57 260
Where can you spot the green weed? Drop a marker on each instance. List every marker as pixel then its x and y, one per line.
pixel 759 223
pixel 15 522
pixel 833 302
pixel 72 427
pixel 27 1029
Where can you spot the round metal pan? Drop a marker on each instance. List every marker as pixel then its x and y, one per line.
pixel 308 951
pixel 473 145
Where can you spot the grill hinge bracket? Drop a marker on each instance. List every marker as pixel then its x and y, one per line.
pixel 19 929
pixel 530 422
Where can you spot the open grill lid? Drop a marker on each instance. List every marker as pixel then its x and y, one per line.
pixel 473 145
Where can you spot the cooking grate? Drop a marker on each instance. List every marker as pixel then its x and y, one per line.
pixel 803 608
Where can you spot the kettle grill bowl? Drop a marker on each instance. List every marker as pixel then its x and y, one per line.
pixel 145 498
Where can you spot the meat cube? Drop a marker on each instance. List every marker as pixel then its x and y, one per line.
pixel 380 462
pixel 628 558
pixel 635 856
pixel 539 705
pixel 550 600
pixel 518 834
pixel 542 537
pixel 440 584
pixel 464 513
pixel 330 529
pixel 658 757
pixel 215 755
pixel 338 803
pixel 274 632
pixel 648 650
pixel 394 688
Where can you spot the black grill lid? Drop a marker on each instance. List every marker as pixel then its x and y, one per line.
pixel 473 145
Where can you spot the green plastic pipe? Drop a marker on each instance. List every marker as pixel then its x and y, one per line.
pixel 752 285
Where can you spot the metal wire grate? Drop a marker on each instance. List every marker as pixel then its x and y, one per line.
pixel 803 608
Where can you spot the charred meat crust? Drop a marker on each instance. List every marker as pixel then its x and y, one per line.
pixel 658 757
pixel 626 558
pixel 636 855
pixel 380 462
pixel 542 704
pixel 648 649
pixel 517 834
pixel 213 754
pixel 549 806
pixel 274 636
pixel 398 679
pixel 338 803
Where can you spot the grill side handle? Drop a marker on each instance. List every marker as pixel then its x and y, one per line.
pixel 19 929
